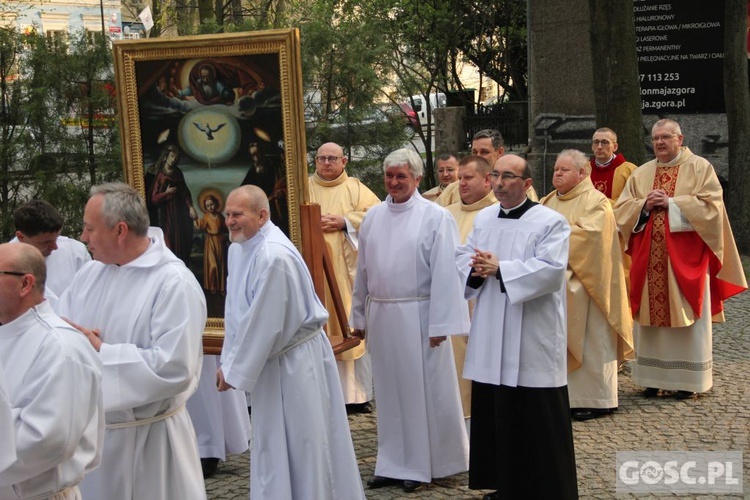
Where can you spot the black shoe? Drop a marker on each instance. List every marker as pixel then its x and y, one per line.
pixel 495 495
pixel 582 415
pixel 209 466
pixel 354 408
pixel 650 392
pixel 381 482
pixel 410 485
pixel 685 395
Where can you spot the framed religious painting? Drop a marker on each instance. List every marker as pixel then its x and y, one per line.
pixel 200 116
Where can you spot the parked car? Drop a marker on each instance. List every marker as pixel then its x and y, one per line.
pixel 348 127
pixel 418 103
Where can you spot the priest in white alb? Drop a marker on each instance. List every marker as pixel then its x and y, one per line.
pixel 145 312
pixel 514 264
pixel 276 350
pixel 407 300
pixel 53 378
pixel 476 194
pixel 343 203
pixel 600 328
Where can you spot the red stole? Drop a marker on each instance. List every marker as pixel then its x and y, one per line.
pixel 654 248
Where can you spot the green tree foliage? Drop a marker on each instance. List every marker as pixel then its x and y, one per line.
pixel 357 55
pixel 342 54
pixel 57 122
pixel 492 35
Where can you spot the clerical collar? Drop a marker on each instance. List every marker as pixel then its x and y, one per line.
pixel 517 211
pixel 681 157
pixel 335 182
pixel 606 163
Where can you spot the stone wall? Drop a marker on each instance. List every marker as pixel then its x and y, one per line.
pixel 561 103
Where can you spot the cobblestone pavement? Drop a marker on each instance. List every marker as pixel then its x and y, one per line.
pixel 717 421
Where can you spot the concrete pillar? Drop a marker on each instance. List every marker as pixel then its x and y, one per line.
pixel 450 136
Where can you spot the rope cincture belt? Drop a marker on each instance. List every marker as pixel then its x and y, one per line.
pixel 147 421
pixel 64 492
pixel 370 299
pixel 295 343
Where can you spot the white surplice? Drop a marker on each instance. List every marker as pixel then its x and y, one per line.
pixel 406 291
pixel 151 313
pixel 7 432
pixel 275 349
pixel 54 381
pixel 221 421
pixel 64 263
pixel 518 338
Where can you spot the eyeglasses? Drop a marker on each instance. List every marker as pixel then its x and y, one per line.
pixel 13 273
pixel 329 159
pixel 603 142
pixel 506 176
pixel 662 138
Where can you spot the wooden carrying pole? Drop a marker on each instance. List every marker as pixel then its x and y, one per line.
pixel 318 260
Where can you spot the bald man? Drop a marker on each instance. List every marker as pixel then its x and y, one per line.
pixel 343 203
pixel 276 350
pixel 53 377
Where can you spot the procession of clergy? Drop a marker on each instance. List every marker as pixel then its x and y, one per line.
pixel 487 326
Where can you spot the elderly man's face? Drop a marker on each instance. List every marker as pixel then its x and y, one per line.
pixel 566 175
pixel 100 239
pixel 206 75
pixel 603 145
pixel 447 171
pixel 242 221
pixel 667 143
pixel 472 185
pixel 483 147
pixel 400 183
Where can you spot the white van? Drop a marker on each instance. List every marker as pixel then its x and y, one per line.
pixel 418 103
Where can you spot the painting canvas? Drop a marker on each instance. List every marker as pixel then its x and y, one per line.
pixel 200 116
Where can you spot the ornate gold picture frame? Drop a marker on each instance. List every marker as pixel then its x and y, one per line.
pixel 199 116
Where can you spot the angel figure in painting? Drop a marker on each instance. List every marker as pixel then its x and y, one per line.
pixel 215 246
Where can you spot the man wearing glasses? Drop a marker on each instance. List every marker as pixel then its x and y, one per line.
pixel 343 203
pixel 53 377
pixel 609 169
pixel 609 173
pixel 514 265
pixel 685 264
